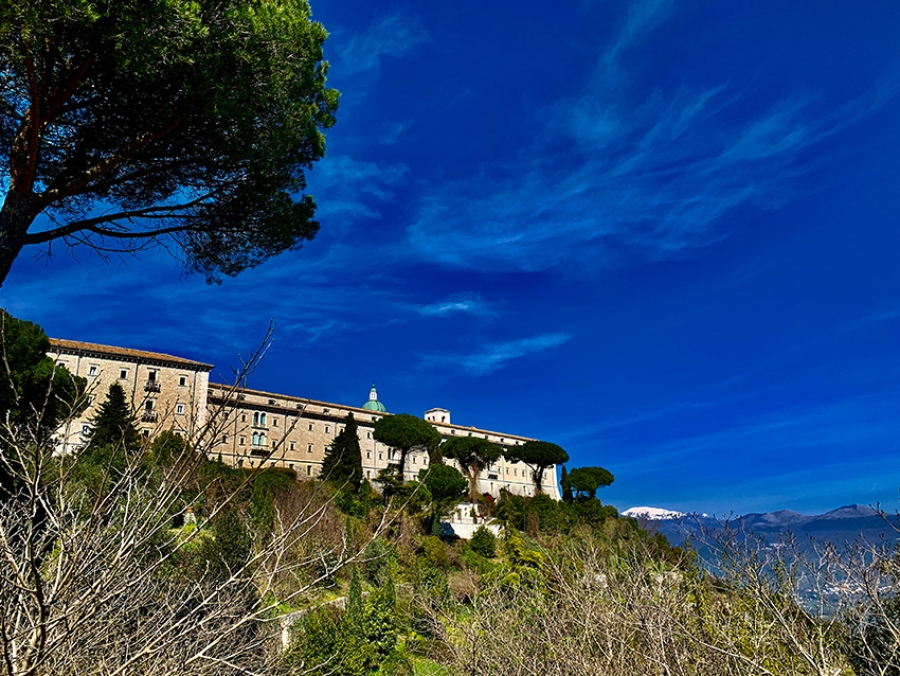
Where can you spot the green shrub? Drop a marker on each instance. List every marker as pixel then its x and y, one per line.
pixel 484 543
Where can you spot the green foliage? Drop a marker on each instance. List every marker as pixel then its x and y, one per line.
pixel 873 648
pixel 435 551
pixel 538 455
pixel 34 392
pixel 446 485
pixel 230 548
pixel 342 463
pixel 317 642
pixel 587 480
pixel 356 502
pixel 473 454
pixel 266 483
pixel 546 515
pixel 360 642
pixel 191 118
pixel 404 433
pixel 484 543
pixel 113 425
pixel 566 486
pixel 167 448
pixel 379 559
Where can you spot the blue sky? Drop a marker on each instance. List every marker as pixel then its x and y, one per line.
pixel 663 235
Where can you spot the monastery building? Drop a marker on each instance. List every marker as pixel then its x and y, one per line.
pixel 254 429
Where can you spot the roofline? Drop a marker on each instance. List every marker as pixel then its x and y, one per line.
pixel 316 402
pixel 62 346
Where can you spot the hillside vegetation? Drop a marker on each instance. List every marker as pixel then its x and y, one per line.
pixel 146 556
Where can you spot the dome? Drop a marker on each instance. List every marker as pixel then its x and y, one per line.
pixel 373 404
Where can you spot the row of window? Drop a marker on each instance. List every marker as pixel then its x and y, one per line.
pixel 94 370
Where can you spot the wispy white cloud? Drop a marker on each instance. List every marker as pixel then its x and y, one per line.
pixel 618 176
pixel 464 303
pixel 394 36
pixel 642 18
pixel 496 355
pixel 392 133
pixel 350 188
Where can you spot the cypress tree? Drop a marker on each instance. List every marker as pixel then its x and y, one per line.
pixel 342 463
pixel 113 426
pixel 566 486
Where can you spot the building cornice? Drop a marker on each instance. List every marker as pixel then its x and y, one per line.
pixel 78 348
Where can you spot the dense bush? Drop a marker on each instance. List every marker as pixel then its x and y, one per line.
pixel 484 543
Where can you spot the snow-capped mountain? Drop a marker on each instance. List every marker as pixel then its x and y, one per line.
pixel 839 525
pixel 652 513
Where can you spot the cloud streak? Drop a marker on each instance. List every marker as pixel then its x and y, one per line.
pixel 465 303
pixel 495 356
pixel 395 36
pixel 617 176
pixel 345 187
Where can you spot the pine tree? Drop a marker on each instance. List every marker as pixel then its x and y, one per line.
pixel 566 486
pixel 114 423
pixel 342 463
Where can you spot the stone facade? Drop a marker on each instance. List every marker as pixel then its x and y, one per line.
pixel 251 428
pixel 167 392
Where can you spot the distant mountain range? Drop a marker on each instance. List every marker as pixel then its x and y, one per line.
pixel 837 526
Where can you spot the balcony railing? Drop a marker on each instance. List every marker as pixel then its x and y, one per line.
pixel 149 416
pixel 151 386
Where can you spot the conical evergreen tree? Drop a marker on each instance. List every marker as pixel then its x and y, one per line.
pixel 343 461
pixel 566 484
pixel 114 423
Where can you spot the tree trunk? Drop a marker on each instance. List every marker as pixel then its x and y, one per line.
pixel 537 475
pixel 16 216
pixel 474 474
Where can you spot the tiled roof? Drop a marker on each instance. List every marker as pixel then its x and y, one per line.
pixel 109 350
pixel 221 392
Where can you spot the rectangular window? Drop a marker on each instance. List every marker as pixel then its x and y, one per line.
pixel 61 362
pixel 224 438
pixel 179 409
pixel 368 455
pixel 309 448
pixel 292 445
pixel 182 381
pixel 368 435
pixel 91 398
pixel 242 441
pixel 311 427
pixel 327 429
pixel 381 456
pixel 243 417
pixel 93 370
pixel 274 421
pixel 85 429
pixel 326 410
pixel 123 374
pixel 309 470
